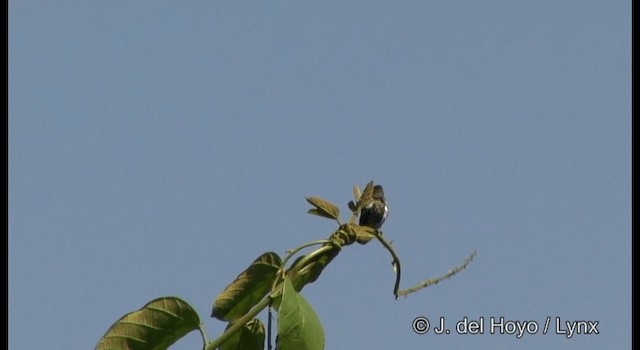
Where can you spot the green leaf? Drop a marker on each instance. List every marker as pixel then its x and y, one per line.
pixel 298 325
pixel 301 276
pixel 363 233
pixel 323 208
pixel 250 337
pixel 320 213
pixel 155 326
pixel 247 289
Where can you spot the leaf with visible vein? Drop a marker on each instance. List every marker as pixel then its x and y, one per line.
pixel 247 289
pixel 250 337
pixel 298 325
pixel 323 208
pixel 157 325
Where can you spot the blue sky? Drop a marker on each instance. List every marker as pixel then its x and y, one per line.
pixel 157 148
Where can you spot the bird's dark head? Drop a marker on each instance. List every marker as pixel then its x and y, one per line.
pixel 378 193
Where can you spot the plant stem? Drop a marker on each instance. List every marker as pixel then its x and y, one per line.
pixel 239 323
pixel 292 252
pixel 396 262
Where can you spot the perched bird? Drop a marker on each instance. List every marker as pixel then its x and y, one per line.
pixel 375 213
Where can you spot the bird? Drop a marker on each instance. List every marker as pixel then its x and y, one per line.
pixel 375 213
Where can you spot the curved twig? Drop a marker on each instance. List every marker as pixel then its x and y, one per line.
pixel 395 262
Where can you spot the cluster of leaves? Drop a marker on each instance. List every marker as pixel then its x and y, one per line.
pixel 270 281
pixel 266 282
